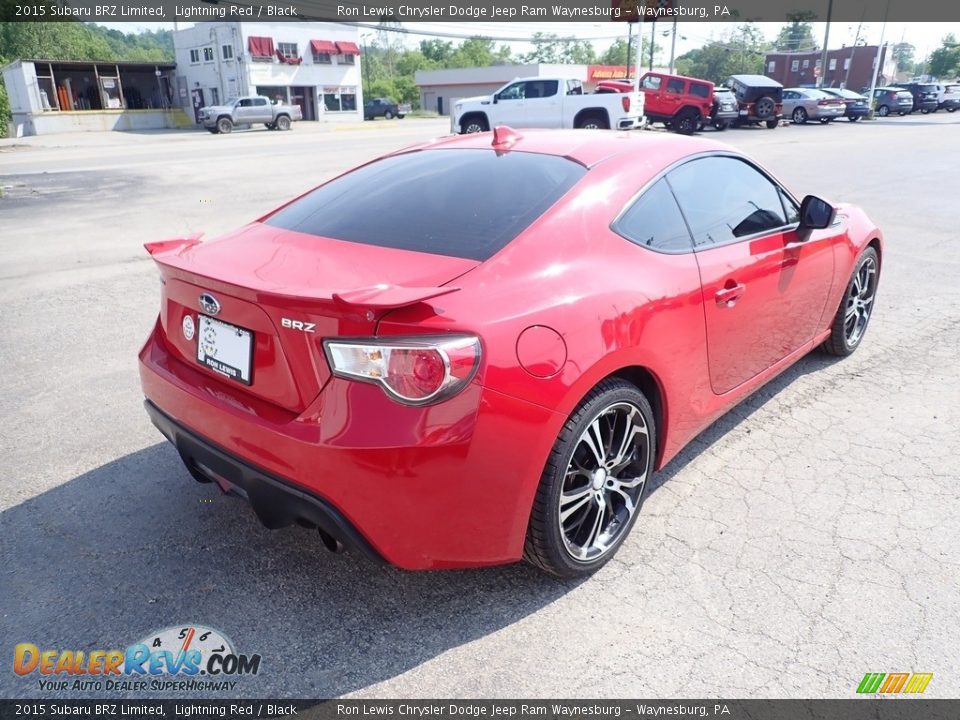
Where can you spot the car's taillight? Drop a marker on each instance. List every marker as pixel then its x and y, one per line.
pixel 412 371
pixel 625 101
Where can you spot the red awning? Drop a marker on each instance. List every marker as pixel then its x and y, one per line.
pixel 347 48
pixel 260 46
pixel 323 46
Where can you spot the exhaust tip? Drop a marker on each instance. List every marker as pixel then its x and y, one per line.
pixel 330 542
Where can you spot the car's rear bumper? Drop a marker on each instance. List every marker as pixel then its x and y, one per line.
pixel 449 485
pixel 857 111
pixel 949 104
pixel 276 502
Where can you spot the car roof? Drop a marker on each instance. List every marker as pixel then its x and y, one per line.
pixel 587 147
pixel 756 80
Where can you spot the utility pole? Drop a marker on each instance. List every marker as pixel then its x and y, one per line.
pixel 653 41
pixel 876 62
pixel 853 50
pixel 673 44
pixel 823 54
pixel 629 45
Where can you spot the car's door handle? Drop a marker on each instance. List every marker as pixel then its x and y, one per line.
pixel 730 293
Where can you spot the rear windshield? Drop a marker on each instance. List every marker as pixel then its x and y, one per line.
pixel 464 203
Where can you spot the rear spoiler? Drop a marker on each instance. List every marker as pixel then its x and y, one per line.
pixel 166 254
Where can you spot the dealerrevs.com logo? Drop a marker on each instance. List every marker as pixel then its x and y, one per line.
pixel 185 658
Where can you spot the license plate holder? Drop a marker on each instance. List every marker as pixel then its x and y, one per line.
pixel 226 349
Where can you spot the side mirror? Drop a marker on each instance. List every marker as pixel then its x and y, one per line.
pixel 816 214
pixel 494 99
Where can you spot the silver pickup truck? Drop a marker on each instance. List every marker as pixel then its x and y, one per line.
pixel 249 110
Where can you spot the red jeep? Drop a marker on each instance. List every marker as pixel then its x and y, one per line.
pixel 681 103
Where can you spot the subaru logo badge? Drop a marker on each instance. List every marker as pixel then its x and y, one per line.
pixel 209 304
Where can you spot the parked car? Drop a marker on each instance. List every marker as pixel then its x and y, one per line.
pixel 926 96
pixel 856 104
pixel 724 109
pixel 385 108
pixel 950 99
pixel 802 104
pixel 760 100
pixel 547 102
pixel 249 110
pixel 887 100
pixel 342 362
pixel 681 103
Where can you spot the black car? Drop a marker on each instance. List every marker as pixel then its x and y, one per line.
pixel 385 108
pixel 760 100
pixel 857 104
pixel 926 96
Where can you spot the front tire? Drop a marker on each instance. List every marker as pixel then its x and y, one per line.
pixel 473 124
pixel 388 115
pixel 799 116
pixel 856 308
pixel 594 482
pixel 225 125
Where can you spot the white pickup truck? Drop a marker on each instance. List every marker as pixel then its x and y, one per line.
pixel 547 102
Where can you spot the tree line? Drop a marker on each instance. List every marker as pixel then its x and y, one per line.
pixel 389 65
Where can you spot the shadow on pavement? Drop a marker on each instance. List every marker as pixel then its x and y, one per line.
pixel 136 545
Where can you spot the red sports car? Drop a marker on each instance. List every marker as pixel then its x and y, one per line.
pixel 479 349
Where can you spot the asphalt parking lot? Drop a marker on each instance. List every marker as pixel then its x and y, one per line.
pixel 810 536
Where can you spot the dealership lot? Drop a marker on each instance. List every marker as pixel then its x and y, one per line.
pixel 807 538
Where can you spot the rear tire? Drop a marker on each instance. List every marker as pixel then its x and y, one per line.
pixel 686 121
pixel 883 111
pixel 270 126
pixel 720 125
pixel 283 123
pixel 593 121
pixel 225 125
pixel 594 482
pixel 853 118
pixel 856 308
pixel 213 131
pixel 772 124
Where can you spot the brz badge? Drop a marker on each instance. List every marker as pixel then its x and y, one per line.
pixel 297 325
pixel 209 304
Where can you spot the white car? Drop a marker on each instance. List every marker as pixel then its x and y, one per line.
pixel 547 102
pixel 950 97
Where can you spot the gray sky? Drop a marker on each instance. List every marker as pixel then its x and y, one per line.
pixel 925 36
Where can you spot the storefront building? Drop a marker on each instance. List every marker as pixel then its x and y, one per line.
pixel 313 65
pixel 53 96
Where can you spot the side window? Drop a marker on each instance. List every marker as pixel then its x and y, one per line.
pixel 574 87
pixel 700 90
pixel 513 92
pixel 791 209
pixel 675 86
pixel 259 101
pixel 651 82
pixel 724 199
pixel 540 89
pixel 654 221
pixel 246 102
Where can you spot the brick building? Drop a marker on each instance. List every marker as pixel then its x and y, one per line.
pixel 850 67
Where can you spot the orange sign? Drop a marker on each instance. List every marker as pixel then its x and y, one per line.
pixel 606 72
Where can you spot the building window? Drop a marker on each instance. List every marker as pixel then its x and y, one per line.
pixel 345 59
pixel 194 57
pixel 215 95
pixel 322 58
pixel 806 64
pixel 227 52
pixel 340 99
pixel 846 63
pixel 795 65
pixel 208 54
pixel 288 50
pixel 771 66
pixel 833 63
